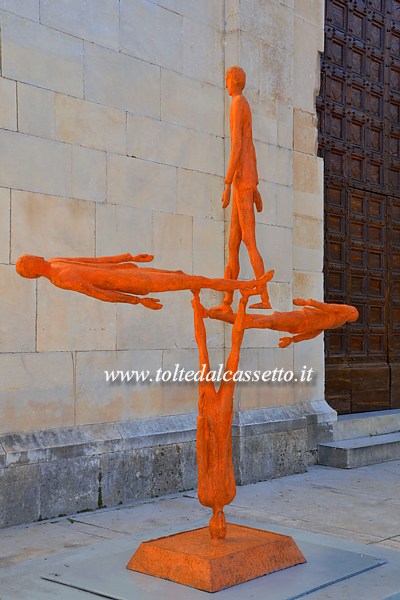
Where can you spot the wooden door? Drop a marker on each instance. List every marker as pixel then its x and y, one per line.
pixel 359 138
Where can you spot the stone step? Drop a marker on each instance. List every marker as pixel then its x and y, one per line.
pixel 365 424
pixel 359 452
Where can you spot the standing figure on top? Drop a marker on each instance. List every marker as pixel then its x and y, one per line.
pixel 242 173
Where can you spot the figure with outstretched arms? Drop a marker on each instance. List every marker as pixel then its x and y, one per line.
pixel 118 279
pixel 305 324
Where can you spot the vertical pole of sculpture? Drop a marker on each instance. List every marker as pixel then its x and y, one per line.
pixel 216 478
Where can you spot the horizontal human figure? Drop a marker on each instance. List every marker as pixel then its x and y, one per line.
pixel 305 324
pixel 118 279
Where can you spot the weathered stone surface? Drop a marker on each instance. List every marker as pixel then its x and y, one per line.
pixel 308 241
pixel 199 194
pixel 305 173
pixel 24 8
pixel 308 41
pixel 140 183
pixel 308 285
pixel 126 476
pixel 311 354
pixel 36 111
pixel 167 227
pixel 100 401
pixel 208 247
pixel 69 486
pixel 175 145
pixel 4 225
pixel 60 444
pixel 121 229
pixel 191 103
pixel 37 391
pixel 71 321
pixel 359 452
pixel 202 58
pixel 305 132
pixel 159 431
pixel 272 455
pixel 312 10
pixel 167 470
pixel 50 226
pixel 88 174
pixel 17 328
pixel 34 164
pixel 274 163
pixel 26 56
pixel 8 104
pixel 90 124
pixel 19 495
pixel 93 20
pixel 130 84
pixel 142 33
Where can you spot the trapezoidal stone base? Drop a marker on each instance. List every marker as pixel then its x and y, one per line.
pixel 194 559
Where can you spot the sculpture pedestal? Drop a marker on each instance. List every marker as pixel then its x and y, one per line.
pixel 194 559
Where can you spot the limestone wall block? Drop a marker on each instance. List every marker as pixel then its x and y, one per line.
pixel 306 175
pixel 36 111
pixel 100 402
pixel 121 229
pixel 274 163
pixel 24 8
pixel 88 174
pixel 268 394
pixel 308 233
pixel 26 56
pixel 8 104
pixel 31 163
pixel 199 194
pixel 140 183
pixel 312 10
pixel 51 226
pixel 151 33
pixel 203 52
pixel 72 321
pixel 172 145
pixel 275 245
pixel 310 354
pixel 169 328
pixel 89 124
pixel 93 20
pixel 305 259
pixel 191 103
pixel 207 12
pixel 37 391
pixel 4 225
pixel 121 81
pixel 305 132
pixel 284 206
pixel 308 41
pixel 308 285
pixel 208 247
pixel 173 241
pixel 18 311
pixel 308 204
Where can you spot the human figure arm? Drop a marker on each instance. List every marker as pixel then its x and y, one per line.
pixel 314 303
pixel 101 260
pixel 200 314
pixel 108 295
pixel 300 337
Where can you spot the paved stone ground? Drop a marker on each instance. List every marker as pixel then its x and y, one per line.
pixel 360 505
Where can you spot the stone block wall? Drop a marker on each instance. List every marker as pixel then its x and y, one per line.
pixel 114 137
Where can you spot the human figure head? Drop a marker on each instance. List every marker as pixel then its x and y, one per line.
pixel 31 266
pixel 235 80
pixel 353 314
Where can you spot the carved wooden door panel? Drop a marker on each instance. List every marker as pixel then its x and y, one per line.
pixel 359 138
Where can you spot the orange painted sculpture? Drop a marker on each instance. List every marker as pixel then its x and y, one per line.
pixel 306 323
pixel 216 478
pixel 242 173
pixel 223 554
pixel 118 279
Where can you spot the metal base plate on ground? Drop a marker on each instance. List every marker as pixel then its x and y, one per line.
pixel 107 577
